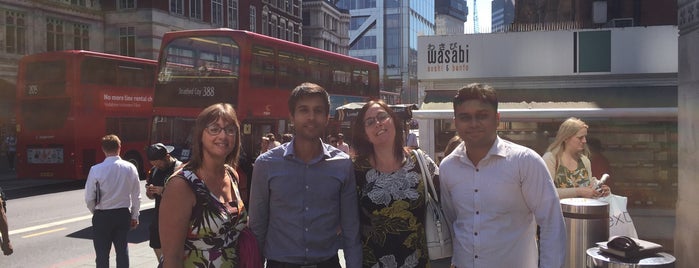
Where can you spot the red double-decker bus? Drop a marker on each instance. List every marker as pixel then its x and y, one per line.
pixel 68 100
pixel 253 72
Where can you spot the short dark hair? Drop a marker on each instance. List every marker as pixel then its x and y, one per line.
pixel 111 143
pixel 476 91
pixel 308 90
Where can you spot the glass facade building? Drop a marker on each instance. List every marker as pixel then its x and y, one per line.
pixel 386 32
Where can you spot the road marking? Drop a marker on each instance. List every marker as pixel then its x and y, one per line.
pixel 57 223
pixel 44 232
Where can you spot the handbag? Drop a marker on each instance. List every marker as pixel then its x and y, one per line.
pixel 248 251
pixel 620 223
pixel 438 234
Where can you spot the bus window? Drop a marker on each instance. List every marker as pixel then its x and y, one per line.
pixel 98 71
pixel 45 78
pixel 128 129
pixel 341 80
pixel 320 71
pixel 45 114
pixel 134 76
pixel 262 67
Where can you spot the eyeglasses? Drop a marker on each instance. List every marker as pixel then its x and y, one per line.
pixel 380 118
pixel 215 129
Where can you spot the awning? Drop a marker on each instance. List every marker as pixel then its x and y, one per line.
pixel 347 113
pixel 537 104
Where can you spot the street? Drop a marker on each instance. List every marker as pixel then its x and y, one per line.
pixel 50 226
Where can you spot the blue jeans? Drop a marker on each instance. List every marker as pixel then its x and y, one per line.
pixel 111 227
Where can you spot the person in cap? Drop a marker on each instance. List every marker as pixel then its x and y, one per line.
pixel 164 165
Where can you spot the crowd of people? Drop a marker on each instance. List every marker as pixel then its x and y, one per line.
pixel 311 195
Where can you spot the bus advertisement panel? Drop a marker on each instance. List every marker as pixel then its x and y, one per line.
pixel 68 100
pixel 253 72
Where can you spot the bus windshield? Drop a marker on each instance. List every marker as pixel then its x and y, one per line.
pixel 197 71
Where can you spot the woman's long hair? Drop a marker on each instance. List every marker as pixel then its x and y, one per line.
pixel 363 148
pixel 210 115
pixel 568 129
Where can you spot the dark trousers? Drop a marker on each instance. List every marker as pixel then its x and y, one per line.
pixel 111 227
pixel 11 159
pixel 333 262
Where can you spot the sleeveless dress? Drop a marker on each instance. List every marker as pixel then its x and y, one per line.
pixel 392 215
pixel 213 229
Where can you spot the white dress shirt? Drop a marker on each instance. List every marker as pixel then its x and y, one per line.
pixel 493 208
pixel 119 186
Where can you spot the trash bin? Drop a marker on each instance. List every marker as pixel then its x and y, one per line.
pixel 587 222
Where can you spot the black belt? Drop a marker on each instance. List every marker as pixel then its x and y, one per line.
pixel 111 210
pixel 333 262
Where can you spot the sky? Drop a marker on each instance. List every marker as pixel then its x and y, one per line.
pixel 483 15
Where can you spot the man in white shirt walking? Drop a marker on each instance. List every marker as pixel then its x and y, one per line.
pixel 495 192
pixel 112 193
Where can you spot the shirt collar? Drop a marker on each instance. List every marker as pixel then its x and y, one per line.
pixel 289 149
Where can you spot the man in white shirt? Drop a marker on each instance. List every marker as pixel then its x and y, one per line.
pixel 112 193
pixel 495 192
pixel 341 144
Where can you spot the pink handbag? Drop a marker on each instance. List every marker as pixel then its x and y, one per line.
pixel 248 250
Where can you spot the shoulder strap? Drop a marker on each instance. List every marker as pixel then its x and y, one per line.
pixel 430 191
pixel 234 184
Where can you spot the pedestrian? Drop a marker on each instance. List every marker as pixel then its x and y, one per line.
pixel 272 141
pixel 287 137
pixel 11 144
pixel 568 164
pixel 599 163
pixel 112 194
pixel 4 227
pixel 164 166
pixel 341 144
pixel 495 192
pixel 391 191
pixel 201 211
pixel 303 201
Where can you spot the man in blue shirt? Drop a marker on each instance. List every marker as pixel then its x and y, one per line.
pixel 303 201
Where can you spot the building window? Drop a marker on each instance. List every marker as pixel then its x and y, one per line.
pixel 233 14
pixel 54 35
pixel 195 9
pixel 15 33
pixel 290 32
pixel 78 2
pixel 253 19
pixel 177 7
pixel 265 23
pixel 127 41
pixel 217 12
pixel 124 4
pixel 273 28
pixel 81 36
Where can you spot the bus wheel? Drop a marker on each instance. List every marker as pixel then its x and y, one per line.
pixel 135 159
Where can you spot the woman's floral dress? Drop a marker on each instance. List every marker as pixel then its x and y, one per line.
pixel 392 215
pixel 213 228
pixel 570 179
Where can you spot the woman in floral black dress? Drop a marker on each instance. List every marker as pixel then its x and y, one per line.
pixel 391 191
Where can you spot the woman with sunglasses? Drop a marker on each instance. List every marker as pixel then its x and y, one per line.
pixel 201 212
pixel 390 190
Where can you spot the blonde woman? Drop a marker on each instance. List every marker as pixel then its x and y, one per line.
pixel 568 163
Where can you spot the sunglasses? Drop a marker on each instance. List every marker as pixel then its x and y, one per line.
pixel 381 117
pixel 215 129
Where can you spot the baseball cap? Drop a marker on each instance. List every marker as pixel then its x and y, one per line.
pixel 158 151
